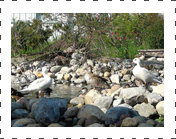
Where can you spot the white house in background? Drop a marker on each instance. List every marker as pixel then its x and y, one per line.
pixel 30 16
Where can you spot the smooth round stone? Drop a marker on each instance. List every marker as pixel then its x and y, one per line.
pixel 34 125
pixel 151 122
pixel 130 122
pixel 15 105
pixel 141 119
pixel 91 120
pixel 144 125
pixel 24 122
pixel 77 100
pixel 160 108
pixel 81 121
pixel 72 112
pixel 19 113
pixel 55 125
pixel 96 125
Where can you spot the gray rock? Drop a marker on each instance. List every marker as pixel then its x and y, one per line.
pixel 151 122
pixel 96 125
pixel 159 89
pixel 72 112
pixel 91 96
pixel 90 62
pixel 15 105
pixel 160 108
pixel 34 125
pixel 24 122
pixel 19 113
pixel 76 56
pixel 55 69
pixel 59 76
pixel 141 119
pixel 103 102
pixel 117 102
pixel 126 105
pixel 62 104
pixel 130 122
pixel 154 98
pixel 73 62
pixel 127 77
pixel 79 80
pixel 47 112
pixel 77 100
pixel 13 121
pixel 88 110
pixel 80 72
pixel 113 114
pixel 131 95
pixel 81 121
pixel 115 78
pixel 144 125
pixel 149 110
pixel 31 102
pixel 65 70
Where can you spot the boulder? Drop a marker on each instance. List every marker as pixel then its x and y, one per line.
pixel 24 122
pixel 160 108
pixel 70 113
pixel 91 96
pixel 130 122
pixel 103 102
pixel 55 69
pixel 77 100
pixel 115 78
pixel 154 98
pixel 19 113
pixel 159 89
pixel 15 105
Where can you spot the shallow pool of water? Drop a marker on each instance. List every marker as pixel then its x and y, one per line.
pixel 60 90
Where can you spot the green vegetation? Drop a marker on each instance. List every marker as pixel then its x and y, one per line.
pixel 113 35
pixel 160 119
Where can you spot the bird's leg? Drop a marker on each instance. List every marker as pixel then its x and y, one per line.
pixel 37 95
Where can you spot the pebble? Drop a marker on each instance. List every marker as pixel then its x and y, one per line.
pixel 160 108
pixel 130 122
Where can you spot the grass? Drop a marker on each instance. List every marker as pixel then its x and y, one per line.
pixel 39 49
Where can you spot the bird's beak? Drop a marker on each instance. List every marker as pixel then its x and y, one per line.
pixel 132 62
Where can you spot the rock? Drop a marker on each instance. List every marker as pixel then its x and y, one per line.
pixel 115 78
pixel 127 77
pixel 61 60
pixel 31 102
pixel 77 100
pixel 59 76
pixel 79 106
pixel 91 120
pixel 23 101
pixel 159 89
pixel 107 74
pixel 15 105
pixel 141 119
pixel 80 72
pixel 115 88
pixel 55 69
pixel 88 110
pixel 126 105
pixel 31 77
pixel 67 77
pixel 152 58
pixel 151 122
pixel 24 122
pixel 13 78
pixel 113 114
pixel 70 113
pixel 103 102
pixel 19 113
pixel 62 104
pixel 144 125
pixel 125 71
pixel 117 92
pixel 96 125
pixel 47 112
pixel 65 70
pixel 154 98
pixel 149 110
pixel 91 96
pixel 131 95
pixel 160 59
pixel 90 62
pixel 76 56
pixel 55 125
pixel 104 110
pixel 81 121
pixel 34 125
pixel 117 102
pixel 79 80
pixel 160 125
pixel 74 67
pixel 73 62
pixel 160 108
pixel 142 57
pixel 130 122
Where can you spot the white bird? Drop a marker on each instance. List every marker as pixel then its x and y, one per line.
pixel 40 84
pixel 143 73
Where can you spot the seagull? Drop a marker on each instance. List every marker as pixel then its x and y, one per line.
pixel 40 84
pixel 143 74
pixel 94 79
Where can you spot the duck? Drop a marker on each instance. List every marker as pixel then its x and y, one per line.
pixel 40 84
pixel 143 74
pixel 94 79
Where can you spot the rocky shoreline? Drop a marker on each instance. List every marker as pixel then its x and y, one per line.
pixel 125 103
